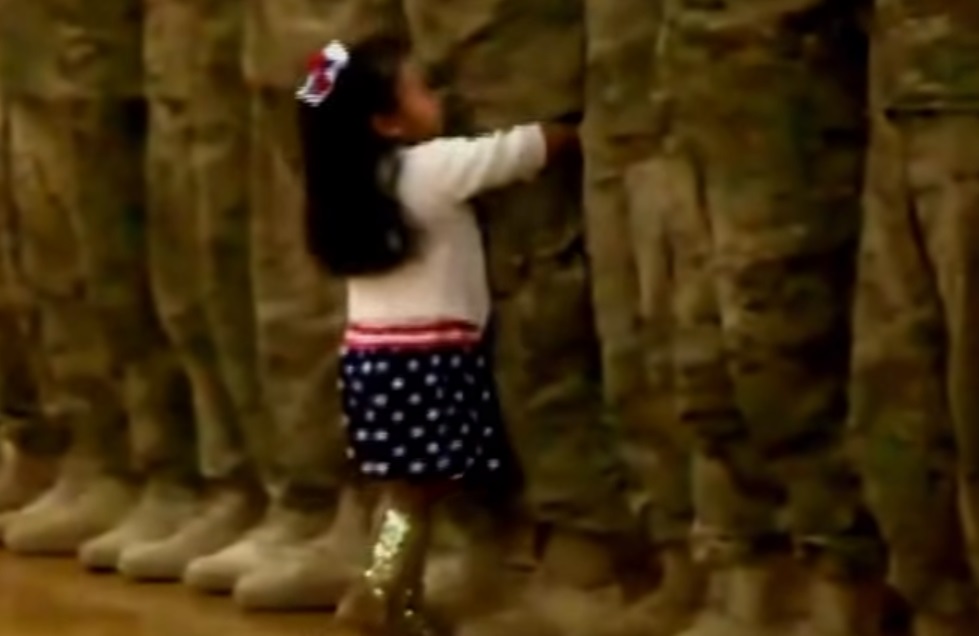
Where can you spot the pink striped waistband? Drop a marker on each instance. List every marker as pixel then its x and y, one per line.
pixel 419 335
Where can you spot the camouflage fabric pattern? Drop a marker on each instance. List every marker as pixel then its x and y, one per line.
pixel 913 410
pixel 100 357
pixel 21 394
pixel 547 356
pixel 630 246
pixel 762 356
pixel 53 183
pixel 199 226
pixel 929 54
pixel 281 34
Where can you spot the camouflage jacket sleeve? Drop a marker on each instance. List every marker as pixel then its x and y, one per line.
pixel 929 54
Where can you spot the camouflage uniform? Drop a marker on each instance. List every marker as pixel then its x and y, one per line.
pixel 914 364
pixel 636 240
pixel 547 356
pixel 72 75
pixel 766 116
pixel 21 372
pixel 198 222
pixel 630 245
pixel 298 316
pixel 30 443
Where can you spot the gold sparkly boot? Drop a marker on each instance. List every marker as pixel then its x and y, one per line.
pixel 386 601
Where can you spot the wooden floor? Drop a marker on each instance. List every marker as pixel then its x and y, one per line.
pixel 56 598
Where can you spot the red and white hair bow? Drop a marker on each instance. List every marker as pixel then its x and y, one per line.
pixel 324 68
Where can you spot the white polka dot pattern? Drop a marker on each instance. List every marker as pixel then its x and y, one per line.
pixel 416 414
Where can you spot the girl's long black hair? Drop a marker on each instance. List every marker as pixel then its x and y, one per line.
pixel 353 221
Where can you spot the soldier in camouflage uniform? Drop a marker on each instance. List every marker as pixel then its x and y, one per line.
pixel 766 117
pixel 203 270
pixel 71 76
pixel 196 229
pixel 30 444
pixel 637 246
pixel 307 549
pixel 915 413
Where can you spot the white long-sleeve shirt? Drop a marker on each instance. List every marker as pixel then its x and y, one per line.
pixel 445 282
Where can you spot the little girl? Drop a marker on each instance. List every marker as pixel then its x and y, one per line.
pixel 387 209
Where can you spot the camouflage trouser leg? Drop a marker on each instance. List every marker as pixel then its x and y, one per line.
pixel 219 161
pixel 23 422
pixel 632 284
pixel 915 361
pixel 300 315
pixel 176 262
pixel 55 182
pixel 777 181
pixel 548 367
pixel 22 418
pixel 733 517
pixel 630 259
pixel 197 158
pixel 113 235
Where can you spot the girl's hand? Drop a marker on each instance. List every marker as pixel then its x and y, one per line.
pixel 560 138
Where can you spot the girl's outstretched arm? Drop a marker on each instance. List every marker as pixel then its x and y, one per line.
pixel 463 167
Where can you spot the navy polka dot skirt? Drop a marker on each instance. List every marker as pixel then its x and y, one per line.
pixel 421 412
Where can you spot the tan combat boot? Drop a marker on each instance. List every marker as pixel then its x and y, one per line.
pixel 229 513
pixel 476 573
pixel 316 574
pixel 753 598
pixel 82 504
pixel 59 492
pixel 281 531
pixel 845 599
pixel 672 606
pixel 573 592
pixel 163 509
